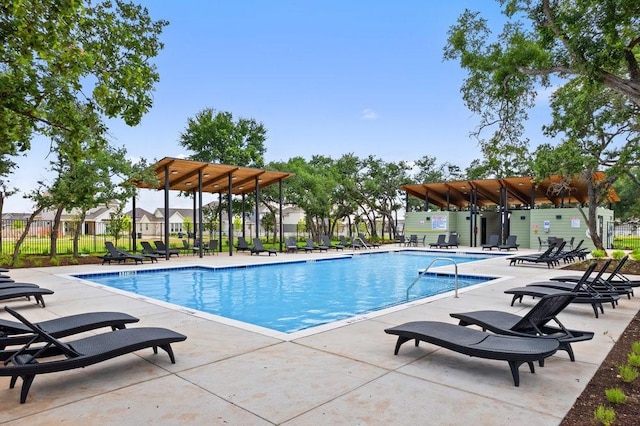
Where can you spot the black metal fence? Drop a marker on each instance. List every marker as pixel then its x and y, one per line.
pixel 624 236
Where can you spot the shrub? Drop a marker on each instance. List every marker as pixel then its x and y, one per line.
pixel 615 396
pixel 598 254
pixel 617 254
pixel 635 254
pixel 635 348
pixel 633 359
pixel 628 373
pixel 55 261
pixel 605 415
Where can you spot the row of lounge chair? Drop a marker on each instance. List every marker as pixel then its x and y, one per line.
pixel 443 242
pixel 28 349
pixel 553 255
pixel 515 339
pixel 529 338
pixel 494 242
pixel 115 254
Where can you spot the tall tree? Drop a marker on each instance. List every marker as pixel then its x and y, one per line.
pixel 543 44
pixel 56 54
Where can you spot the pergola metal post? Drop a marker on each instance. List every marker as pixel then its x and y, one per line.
pixel 281 216
pixel 243 216
pixel 257 210
pixel 167 186
pixel 200 252
pixel 133 220
pixel 230 214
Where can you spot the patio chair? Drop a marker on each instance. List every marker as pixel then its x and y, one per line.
pixel 542 243
pixel 28 292
pixel 412 241
pixel 162 249
pixel 326 241
pixel 242 245
pixel 400 240
pixel 515 350
pixel 440 242
pixel 259 248
pixel 28 362
pixel 583 294
pixel 510 243
pixel 16 333
pixel 535 323
pixel 493 242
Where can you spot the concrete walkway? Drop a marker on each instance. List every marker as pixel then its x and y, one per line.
pixel 345 373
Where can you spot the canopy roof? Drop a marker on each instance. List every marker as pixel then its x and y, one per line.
pixel 183 176
pixel 520 191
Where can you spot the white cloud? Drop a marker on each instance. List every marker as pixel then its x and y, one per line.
pixel 369 114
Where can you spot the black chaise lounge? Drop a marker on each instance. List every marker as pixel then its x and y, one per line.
pixel 242 245
pixel 162 249
pixel 368 243
pixel 327 242
pixel 259 248
pixel 440 242
pixel 515 350
pixel 311 246
pixel 16 333
pixel 291 245
pixel 451 242
pixel 510 243
pixel 589 283
pixel 592 297
pixel 28 362
pixel 493 242
pixel 614 281
pixel 28 292
pixel 115 255
pixel 545 257
pixel 534 324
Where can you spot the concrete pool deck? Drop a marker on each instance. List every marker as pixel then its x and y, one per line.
pixel 345 374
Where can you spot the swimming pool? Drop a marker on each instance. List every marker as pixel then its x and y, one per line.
pixel 293 296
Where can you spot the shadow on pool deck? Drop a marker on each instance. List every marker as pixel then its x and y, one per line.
pixel 343 375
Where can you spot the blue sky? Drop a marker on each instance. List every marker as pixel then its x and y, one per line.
pixel 324 77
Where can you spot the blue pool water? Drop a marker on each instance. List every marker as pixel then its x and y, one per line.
pixel 292 296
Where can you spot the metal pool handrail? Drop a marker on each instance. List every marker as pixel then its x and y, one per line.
pixel 424 271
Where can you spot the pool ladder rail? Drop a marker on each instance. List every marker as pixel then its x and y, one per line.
pixel 424 271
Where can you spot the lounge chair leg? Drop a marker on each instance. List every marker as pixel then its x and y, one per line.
pixel 39 300
pixel 595 309
pixel 566 346
pixel 400 342
pixel 167 348
pixel 514 372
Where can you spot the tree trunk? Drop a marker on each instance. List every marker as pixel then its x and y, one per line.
pixel 76 233
pixel 54 232
pixel 25 232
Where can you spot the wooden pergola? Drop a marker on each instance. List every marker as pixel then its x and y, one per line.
pixel 197 177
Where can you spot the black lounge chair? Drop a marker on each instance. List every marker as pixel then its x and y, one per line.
pixel 592 297
pixel 28 292
pixel 242 245
pixel 259 248
pixel 613 280
pixel 162 249
pixel 368 243
pixel 493 242
pixel 533 324
pixel 291 245
pixel 311 246
pixel 440 242
pixel 13 284
pixel 545 257
pixel 510 243
pixel 116 255
pixel 515 350
pixel 327 242
pixel 28 362
pixel 588 283
pixel 354 244
pixel 16 333
pixel 451 242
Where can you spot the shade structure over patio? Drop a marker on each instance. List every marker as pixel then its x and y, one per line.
pixel 197 177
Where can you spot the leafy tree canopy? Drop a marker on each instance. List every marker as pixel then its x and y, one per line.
pixel 57 54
